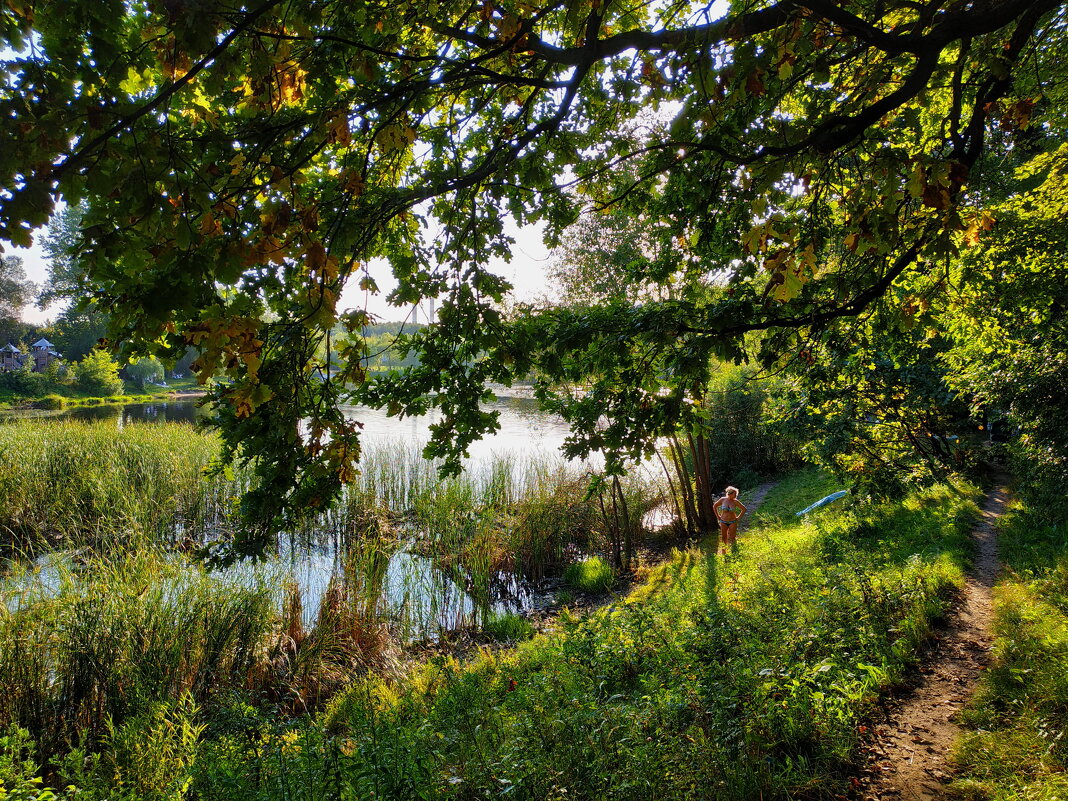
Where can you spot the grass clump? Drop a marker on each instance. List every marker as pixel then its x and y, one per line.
pixel 508 627
pixel 592 575
pixel 1016 747
pixel 115 664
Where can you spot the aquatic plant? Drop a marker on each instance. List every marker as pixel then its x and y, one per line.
pixel 80 484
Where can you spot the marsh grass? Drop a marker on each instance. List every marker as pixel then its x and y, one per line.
pixel 92 484
pixel 82 644
pixel 722 678
pixel 1016 745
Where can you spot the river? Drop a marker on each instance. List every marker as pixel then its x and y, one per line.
pixel 417 597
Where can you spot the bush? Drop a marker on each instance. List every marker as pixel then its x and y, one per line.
pixel 24 382
pixel 18 769
pixel 51 402
pixel 98 375
pixel 150 756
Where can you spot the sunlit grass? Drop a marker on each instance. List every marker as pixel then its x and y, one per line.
pixel 590 575
pixel 74 484
pixel 1016 745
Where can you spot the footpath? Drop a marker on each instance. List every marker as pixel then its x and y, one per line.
pixel 909 750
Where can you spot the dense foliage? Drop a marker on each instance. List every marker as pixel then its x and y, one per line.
pixel 15 292
pixel 242 163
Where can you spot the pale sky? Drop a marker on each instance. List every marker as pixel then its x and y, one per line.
pixel 526 272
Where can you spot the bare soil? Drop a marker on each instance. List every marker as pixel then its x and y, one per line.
pixel 908 750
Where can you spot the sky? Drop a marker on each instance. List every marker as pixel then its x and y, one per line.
pixel 526 272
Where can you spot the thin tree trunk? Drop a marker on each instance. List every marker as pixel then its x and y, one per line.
pixel 628 539
pixel 680 517
pixel 685 486
pixel 703 483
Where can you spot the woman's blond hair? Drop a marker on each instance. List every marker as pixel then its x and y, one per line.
pixel 729 490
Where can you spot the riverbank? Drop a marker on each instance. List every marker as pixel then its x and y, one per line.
pixel 62 397
pixel 718 677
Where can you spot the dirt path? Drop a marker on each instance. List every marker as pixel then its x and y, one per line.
pixel 756 497
pixel 910 748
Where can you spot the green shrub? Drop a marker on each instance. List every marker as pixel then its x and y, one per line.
pixel 51 402
pixel 19 779
pixel 592 575
pixel 98 375
pixel 24 383
pixel 148 757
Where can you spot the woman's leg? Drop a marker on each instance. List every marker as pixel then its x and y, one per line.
pixel 731 535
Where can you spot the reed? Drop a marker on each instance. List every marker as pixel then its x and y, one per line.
pixel 92 484
pixel 89 644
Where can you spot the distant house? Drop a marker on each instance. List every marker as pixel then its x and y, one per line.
pixel 10 358
pixel 42 353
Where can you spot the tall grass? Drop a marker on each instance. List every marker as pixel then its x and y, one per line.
pixel 75 484
pixel 84 644
pixel 87 647
pixel 734 678
pixel 530 516
pixel 91 484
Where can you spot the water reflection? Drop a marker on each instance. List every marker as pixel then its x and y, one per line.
pixel 171 411
pixel 414 592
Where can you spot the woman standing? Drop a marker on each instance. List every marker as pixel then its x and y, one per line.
pixel 729 510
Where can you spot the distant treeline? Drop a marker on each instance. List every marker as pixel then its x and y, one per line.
pixel 381 341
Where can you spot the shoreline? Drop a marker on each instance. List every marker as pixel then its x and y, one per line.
pixel 48 402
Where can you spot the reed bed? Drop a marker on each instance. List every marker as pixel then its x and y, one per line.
pixel 87 647
pixel 77 484
pixel 85 643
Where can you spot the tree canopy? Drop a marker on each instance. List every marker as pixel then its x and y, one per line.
pixel 241 163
